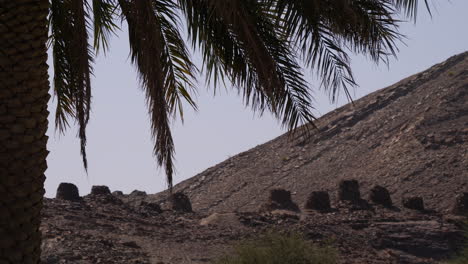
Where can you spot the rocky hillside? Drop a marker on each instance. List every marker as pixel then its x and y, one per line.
pixel 385 179
pixel 411 137
pixel 106 227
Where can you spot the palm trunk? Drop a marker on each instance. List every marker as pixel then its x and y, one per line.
pixel 24 95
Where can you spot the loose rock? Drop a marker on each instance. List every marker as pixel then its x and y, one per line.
pixel 414 203
pixel 131 244
pixel 67 191
pixel 117 193
pixel 380 195
pixel 138 193
pixel 319 200
pixel 221 219
pixel 151 206
pixel 100 190
pixel 349 190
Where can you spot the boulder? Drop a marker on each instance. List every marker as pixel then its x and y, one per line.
pixel 318 200
pixel 100 190
pixel 67 191
pixel 150 206
pixel 221 219
pixel 181 203
pixel 414 203
pixel 117 193
pixel 380 195
pixel 138 193
pixel 461 204
pixel 280 199
pixel 349 191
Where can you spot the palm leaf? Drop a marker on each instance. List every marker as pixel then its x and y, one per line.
pixel 72 57
pixel 410 7
pixel 238 40
pixel 104 12
pixel 164 68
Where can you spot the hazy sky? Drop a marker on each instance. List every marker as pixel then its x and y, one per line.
pixel 119 142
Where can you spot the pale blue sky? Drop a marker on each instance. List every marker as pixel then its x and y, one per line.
pixel 119 142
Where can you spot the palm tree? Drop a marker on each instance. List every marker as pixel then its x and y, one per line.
pixel 256 45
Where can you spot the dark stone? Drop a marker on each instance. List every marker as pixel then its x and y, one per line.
pixel 349 191
pixel 67 191
pixel 380 195
pixel 181 203
pixel 319 200
pixel 414 203
pixel 461 204
pixel 100 190
pixel 280 199
pixel 280 196
pixel 117 193
pixel 138 193
pixel 154 207
pixel 131 244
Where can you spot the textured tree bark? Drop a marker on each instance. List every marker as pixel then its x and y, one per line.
pixel 24 88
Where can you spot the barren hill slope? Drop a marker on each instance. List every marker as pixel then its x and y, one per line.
pixel 411 137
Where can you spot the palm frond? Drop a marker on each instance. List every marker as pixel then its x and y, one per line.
pixel 410 7
pixel 104 12
pixel 238 40
pixel 72 57
pixel 164 67
pixel 180 70
pixel 325 30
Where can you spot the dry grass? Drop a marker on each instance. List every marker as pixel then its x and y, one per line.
pixel 463 255
pixel 275 248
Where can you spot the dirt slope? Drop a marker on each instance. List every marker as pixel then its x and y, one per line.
pixel 411 137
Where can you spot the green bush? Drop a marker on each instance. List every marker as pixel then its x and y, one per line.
pixel 275 248
pixel 463 255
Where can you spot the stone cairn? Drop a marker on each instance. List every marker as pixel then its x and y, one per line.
pixel 318 200
pixel 100 190
pixel 102 194
pixel 67 191
pixel 280 199
pixel 461 204
pixel 349 191
pixel 181 203
pixel 380 195
pixel 414 203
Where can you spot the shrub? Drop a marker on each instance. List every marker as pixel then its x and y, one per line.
pixel 275 248
pixel 463 255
